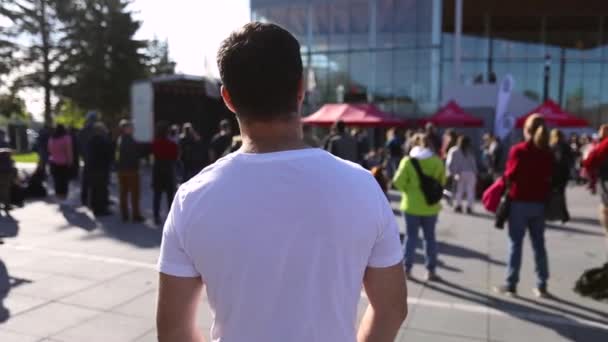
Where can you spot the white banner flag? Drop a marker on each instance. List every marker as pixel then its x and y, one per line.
pixel 503 121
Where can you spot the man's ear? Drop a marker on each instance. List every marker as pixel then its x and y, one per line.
pixel 227 99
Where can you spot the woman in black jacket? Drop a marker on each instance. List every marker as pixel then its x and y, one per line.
pixel 563 162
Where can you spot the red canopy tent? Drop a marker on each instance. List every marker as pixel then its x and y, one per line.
pixel 452 115
pixel 554 116
pixel 366 115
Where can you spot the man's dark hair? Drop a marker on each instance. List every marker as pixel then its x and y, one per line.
pixel 261 67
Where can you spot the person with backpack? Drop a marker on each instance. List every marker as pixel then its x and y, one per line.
pixel 420 178
pixel 462 165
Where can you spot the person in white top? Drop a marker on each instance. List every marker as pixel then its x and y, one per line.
pixel 282 237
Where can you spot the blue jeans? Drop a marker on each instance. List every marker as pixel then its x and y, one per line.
pixel 527 216
pixel 412 224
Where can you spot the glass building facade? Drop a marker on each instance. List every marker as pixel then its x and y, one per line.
pixel 399 54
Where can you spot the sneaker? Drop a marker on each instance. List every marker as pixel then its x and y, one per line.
pixel 469 211
pixel 458 209
pixel 432 276
pixel 541 292
pixel 505 290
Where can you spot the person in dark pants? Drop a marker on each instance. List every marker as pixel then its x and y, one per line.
pixel 7 174
pixel 528 176
pixel 127 164
pixel 563 163
pixel 84 136
pixel 99 160
pixel 194 153
pixel 165 153
pixel 61 157
pixel 75 169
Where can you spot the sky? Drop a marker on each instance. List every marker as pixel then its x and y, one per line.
pixel 194 29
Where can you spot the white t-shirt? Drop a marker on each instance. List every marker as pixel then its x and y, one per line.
pixel 281 241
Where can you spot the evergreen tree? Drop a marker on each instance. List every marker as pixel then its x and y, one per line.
pixel 102 56
pixel 7 47
pixel 35 21
pixel 159 62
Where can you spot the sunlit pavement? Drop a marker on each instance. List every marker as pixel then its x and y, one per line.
pixel 66 277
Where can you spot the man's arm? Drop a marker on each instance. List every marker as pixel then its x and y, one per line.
pixel 177 304
pixel 387 294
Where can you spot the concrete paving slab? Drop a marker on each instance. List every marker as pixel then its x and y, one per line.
pixel 53 287
pixel 106 327
pixel 6 336
pixel 47 320
pixel 110 293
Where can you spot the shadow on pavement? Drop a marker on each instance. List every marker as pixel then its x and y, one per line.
pixel 9 227
pixel 77 218
pixel 466 253
pixel 561 324
pixel 572 230
pixel 6 283
pixel 585 220
pixel 138 234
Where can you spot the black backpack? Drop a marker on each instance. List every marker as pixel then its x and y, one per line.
pixel 431 188
pixel 594 283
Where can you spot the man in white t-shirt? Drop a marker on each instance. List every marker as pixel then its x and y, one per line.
pixel 282 236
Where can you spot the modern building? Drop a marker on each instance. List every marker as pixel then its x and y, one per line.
pixel 409 56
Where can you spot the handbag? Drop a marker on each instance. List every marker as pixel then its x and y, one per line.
pixel 504 208
pixel 493 194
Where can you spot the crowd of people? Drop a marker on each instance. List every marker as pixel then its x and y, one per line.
pixel 536 172
pixel 91 154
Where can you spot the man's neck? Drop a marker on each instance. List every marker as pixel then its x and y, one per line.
pixel 272 136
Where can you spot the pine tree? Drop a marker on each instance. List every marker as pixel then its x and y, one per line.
pixel 103 58
pixel 159 62
pixel 35 21
pixel 7 46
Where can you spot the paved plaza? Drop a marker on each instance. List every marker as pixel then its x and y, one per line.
pixel 67 277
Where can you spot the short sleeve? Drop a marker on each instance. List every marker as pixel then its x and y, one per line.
pixel 387 248
pixel 173 259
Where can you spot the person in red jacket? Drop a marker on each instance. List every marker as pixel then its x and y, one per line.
pixel 165 153
pixel 596 166
pixel 528 176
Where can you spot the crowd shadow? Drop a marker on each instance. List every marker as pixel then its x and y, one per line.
pixel 138 234
pixel 558 322
pixel 465 253
pixel 9 226
pixel 78 218
pixel 6 284
pixel 585 220
pixel 572 230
